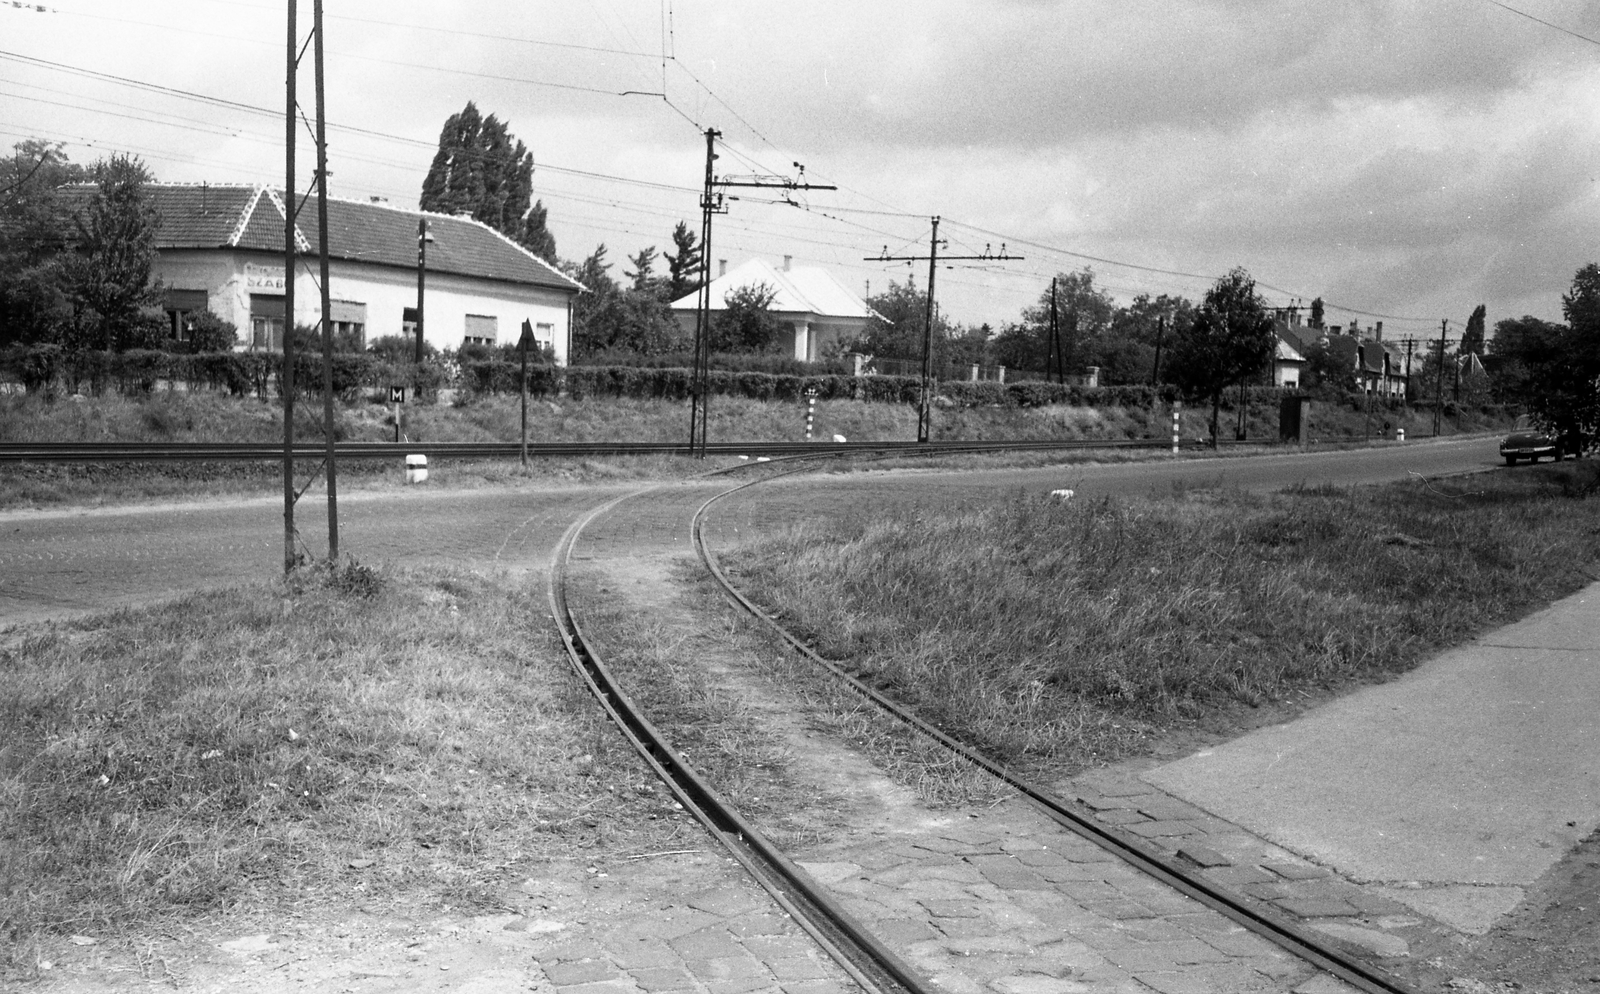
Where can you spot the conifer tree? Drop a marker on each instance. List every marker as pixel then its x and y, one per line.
pixel 482 170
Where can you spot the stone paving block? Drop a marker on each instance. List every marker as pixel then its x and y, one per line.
pixel 961 928
pixel 903 931
pixel 1162 829
pixel 579 972
pixel 1377 904
pixel 1084 851
pixel 993 943
pixel 1206 980
pixel 1020 843
pixel 1161 900
pixel 1296 871
pixel 797 968
pixel 768 924
pixel 822 873
pixel 1383 944
pixel 1099 802
pixel 1088 890
pixel 743 985
pixel 1317 907
pixel 1072 871
pixel 1156 930
pixel 942 846
pixel 936 890
pixel 662 978
pixel 1007 873
pixel 1120 817
pixel 778 947
pixel 1239 876
pixel 1117 787
pixel 711 943
pixel 1105 936
pixel 1325 983
pixel 1201 855
pixel 726 902
pixel 639 951
pixel 561 951
pixel 953 982
pixel 1040 857
pixel 941 908
pixel 622 986
pixel 1267 891
pixel 728 968
pixel 810 987
pixel 1119 910
pixel 674 923
pixel 1031 984
pixel 1238 943
pixel 875 860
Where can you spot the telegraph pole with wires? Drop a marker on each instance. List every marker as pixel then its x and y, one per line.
pixel 1438 392
pixel 293 204
pixel 924 404
pixel 713 201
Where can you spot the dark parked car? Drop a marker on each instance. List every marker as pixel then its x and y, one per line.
pixel 1528 441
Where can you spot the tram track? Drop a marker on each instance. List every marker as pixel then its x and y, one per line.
pixel 864 957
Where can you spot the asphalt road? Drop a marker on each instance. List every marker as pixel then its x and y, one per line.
pixel 60 563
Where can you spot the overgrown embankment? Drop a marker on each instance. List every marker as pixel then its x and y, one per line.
pixel 1065 633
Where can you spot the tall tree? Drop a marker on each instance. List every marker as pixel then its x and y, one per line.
pixel 1083 317
pixel 1472 338
pixel 35 227
pixel 1230 340
pixel 481 170
pixel 1316 314
pixel 683 263
pixel 643 275
pixel 109 277
pixel 745 323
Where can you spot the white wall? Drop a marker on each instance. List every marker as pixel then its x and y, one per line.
pixel 227 277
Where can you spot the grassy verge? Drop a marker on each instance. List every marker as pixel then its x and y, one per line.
pixel 1062 634
pixel 385 740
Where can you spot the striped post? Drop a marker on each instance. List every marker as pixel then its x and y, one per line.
pixel 811 410
pixel 1176 407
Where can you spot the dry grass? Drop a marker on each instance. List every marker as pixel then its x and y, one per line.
pixel 1067 633
pixel 408 739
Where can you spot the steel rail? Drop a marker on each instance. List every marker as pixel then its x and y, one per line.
pixel 861 955
pixel 1274 927
pixel 247 451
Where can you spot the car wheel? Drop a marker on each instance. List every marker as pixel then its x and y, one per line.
pixel 1511 460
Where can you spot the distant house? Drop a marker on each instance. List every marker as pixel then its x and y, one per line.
pixel 1288 366
pixel 814 308
pixel 221 249
pixel 1377 368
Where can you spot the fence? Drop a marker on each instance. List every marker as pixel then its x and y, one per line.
pixel 945 372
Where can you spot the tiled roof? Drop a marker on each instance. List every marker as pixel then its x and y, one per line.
pixel 1287 352
pixel 252 217
pixel 806 290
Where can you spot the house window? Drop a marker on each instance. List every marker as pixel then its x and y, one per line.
pixel 482 329
pixel 349 319
pixel 266 323
pixel 181 307
pixel 544 334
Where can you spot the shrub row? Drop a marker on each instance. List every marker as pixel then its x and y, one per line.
pixel 43 368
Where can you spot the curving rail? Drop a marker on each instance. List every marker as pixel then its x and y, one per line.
pixel 867 960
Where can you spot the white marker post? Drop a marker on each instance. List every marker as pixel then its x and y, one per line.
pixel 811 410
pixel 1177 407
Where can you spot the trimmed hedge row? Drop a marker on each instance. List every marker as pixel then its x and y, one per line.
pixel 42 368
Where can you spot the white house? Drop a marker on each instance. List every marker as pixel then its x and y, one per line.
pixel 810 302
pixel 221 248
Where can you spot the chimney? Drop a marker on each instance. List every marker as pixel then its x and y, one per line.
pixel 722 267
pixel 1377 331
pixel 788 260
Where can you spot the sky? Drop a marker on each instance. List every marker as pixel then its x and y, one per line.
pixel 1405 161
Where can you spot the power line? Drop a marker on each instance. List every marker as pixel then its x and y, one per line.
pixel 1540 20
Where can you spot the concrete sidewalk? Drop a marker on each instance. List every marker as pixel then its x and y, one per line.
pixel 1453 787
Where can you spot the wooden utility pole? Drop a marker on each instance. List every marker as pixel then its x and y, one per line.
pixel 1161 331
pixel 1054 360
pixel 330 472
pixel 287 379
pixel 714 202
pixel 1438 392
pixel 925 402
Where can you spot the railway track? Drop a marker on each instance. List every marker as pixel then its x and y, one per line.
pixel 863 956
pixel 255 451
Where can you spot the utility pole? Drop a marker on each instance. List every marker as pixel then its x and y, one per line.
pixel 293 203
pixel 712 201
pixel 1053 353
pixel 1161 331
pixel 925 402
pixel 1438 392
pixel 329 471
pixel 289 186
pixel 1410 344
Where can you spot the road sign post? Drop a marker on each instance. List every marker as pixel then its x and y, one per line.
pixel 397 396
